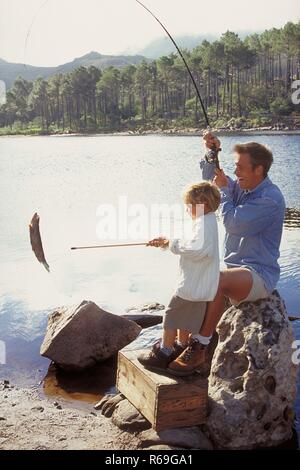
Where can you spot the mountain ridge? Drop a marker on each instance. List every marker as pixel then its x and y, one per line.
pixel 9 71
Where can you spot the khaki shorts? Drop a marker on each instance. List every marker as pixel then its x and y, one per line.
pixel 258 289
pixel 184 315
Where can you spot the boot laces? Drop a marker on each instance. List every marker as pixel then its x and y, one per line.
pixel 188 353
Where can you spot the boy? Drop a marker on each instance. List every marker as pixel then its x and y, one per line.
pixel 198 283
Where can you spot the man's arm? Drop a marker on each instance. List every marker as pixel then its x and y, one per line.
pixel 249 218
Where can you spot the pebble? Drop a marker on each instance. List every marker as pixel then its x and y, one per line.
pixel 37 408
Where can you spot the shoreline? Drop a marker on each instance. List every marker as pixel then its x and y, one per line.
pixel 29 422
pixel 192 132
pixel 59 421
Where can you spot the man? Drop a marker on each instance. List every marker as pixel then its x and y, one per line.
pixel 252 209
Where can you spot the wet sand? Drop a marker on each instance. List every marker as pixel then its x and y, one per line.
pixel 29 422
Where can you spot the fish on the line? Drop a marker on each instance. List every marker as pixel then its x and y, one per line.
pixel 36 241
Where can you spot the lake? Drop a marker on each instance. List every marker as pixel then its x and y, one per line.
pixel 66 179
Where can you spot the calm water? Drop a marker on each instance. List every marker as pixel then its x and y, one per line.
pixel 65 179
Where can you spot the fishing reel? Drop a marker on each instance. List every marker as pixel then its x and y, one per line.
pixel 211 156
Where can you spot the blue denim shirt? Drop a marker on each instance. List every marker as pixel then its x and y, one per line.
pixel 208 169
pixel 254 222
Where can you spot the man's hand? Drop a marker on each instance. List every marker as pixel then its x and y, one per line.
pixel 220 180
pixel 211 141
pixel 160 242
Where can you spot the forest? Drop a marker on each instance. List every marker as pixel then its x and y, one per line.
pixel 243 83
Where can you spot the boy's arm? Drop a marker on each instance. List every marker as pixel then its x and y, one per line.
pixel 196 248
pixel 189 250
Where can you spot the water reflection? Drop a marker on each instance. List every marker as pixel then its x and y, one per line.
pixel 88 386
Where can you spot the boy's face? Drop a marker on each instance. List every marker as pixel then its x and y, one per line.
pixel 248 176
pixel 196 210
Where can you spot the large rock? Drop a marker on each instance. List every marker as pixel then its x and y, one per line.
pixel 145 321
pixel 127 418
pixel 253 381
pixel 186 438
pixel 78 337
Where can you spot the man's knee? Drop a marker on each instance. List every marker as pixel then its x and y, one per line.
pixel 231 279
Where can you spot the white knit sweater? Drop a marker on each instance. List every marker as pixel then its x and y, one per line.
pixel 199 261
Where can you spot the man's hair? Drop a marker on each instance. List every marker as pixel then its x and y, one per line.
pixel 259 155
pixel 201 193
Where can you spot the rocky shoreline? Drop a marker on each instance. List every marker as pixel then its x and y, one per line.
pixel 28 422
pixel 251 356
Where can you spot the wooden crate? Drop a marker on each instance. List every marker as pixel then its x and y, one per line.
pixel 165 401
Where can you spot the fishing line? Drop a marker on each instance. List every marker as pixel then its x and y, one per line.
pixel 183 58
pixel 30 28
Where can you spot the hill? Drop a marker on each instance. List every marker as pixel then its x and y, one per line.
pixel 10 71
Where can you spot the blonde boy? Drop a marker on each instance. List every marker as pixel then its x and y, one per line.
pixel 197 284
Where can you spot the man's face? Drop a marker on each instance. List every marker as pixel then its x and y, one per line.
pixel 248 177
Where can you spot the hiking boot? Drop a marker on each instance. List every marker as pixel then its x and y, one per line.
pixel 178 349
pixel 155 359
pixel 193 359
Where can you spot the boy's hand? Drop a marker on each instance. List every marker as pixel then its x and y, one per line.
pixel 160 242
pixel 220 180
pixel 211 141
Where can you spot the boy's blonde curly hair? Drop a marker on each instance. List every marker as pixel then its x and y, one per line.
pixel 204 192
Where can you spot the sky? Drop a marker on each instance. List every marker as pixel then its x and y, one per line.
pixel 53 32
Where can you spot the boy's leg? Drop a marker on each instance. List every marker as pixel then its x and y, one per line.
pixel 183 337
pixel 235 283
pixel 168 338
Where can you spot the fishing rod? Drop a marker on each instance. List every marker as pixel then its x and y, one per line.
pixel 212 154
pixel 107 246
pixel 183 58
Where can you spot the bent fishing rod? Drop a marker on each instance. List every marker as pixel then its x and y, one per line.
pixel 183 59
pixel 212 155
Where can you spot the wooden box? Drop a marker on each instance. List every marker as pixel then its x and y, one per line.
pixel 165 401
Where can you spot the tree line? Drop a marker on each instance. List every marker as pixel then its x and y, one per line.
pixel 240 80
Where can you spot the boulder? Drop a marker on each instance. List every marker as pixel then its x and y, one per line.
pixel 145 315
pixel 78 337
pixel 127 418
pixel 253 381
pixel 145 321
pixel 186 438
